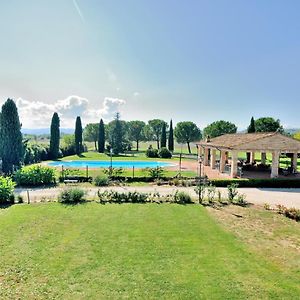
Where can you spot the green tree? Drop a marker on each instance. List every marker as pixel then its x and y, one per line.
pixel 91 133
pixel 268 124
pixel 78 136
pixel 171 138
pixel 219 128
pixel 136 132
pixel 148 133
pixel 12 148
pixel 251 127
pixel 163 139
pixel 101 138
pixel 117 131
pixel 156 126
pixel 54 136
pixel 187 132
pixel 68 140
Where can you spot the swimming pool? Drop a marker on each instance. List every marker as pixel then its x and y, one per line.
pixel 106 164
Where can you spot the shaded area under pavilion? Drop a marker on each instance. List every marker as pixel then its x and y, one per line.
pixel 220 155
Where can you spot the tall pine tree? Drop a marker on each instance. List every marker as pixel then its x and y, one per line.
pixel 101 139
pixel 78 136
pixel 163 140
pixel 12 149
pixel 54 136
pixel 171 137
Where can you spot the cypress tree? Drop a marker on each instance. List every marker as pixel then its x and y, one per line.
pixel 251 127
pixel 163 140
pixel 78 136
pixel 12 149
pixel 54 136
pixel 101 139
pixel 171 137
pixel 117 135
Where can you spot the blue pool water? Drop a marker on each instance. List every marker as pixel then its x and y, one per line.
pixel 106 164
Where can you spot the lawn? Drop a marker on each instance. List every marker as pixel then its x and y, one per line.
pixel 150 251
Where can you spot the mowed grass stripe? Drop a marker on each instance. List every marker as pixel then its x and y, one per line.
pixel 129 251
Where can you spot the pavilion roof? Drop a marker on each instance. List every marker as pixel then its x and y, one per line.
pixel 265 141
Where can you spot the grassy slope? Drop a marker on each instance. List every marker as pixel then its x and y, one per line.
pixel 130 251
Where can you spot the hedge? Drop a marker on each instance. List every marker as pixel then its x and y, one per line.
pixel 259 183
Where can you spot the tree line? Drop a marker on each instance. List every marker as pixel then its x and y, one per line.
pixel 116 136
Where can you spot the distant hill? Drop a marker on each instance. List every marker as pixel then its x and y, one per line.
pixel 292 131
pixel 40 131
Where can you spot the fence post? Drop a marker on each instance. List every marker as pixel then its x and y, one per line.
pixel 132 171
pixel 87 171
pixel 28 198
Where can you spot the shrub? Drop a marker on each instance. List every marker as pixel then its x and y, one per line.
pixel 232 191
pixel 35 175
pixel 292 213
pixel 182 197
pixel 200 191
pixel 6 189
pixel 120 197
pixel 101 180
pixel 35 153
pixel 71 196
pixel 164 153
pixel 20 199
pixel 73 172
pixel 241 200
pixel 156 172
pixel 136 197
pixel 113 172
pixel 211 193
pixel 152 153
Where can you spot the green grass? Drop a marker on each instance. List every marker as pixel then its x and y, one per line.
pixel 146 251
pixel 93 155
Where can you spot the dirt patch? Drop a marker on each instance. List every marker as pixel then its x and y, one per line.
pixel 265 232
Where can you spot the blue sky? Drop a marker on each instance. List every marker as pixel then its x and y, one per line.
pixel 187 60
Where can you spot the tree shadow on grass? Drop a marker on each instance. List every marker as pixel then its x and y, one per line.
pixel 72 204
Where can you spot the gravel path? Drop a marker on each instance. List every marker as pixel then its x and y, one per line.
pixel 260 196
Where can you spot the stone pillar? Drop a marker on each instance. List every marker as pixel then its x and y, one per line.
pixel 252 157
pixel 200 152
pixel 213 158
pixel 206 156
pixel 263 158
pixel 222 161
pixel 226 156
pixel 234 161
pixel 275 164
pixel 294 161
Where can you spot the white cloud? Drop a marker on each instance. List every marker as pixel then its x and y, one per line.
pixel 37 114
pixel 136 94
pixel 109 108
